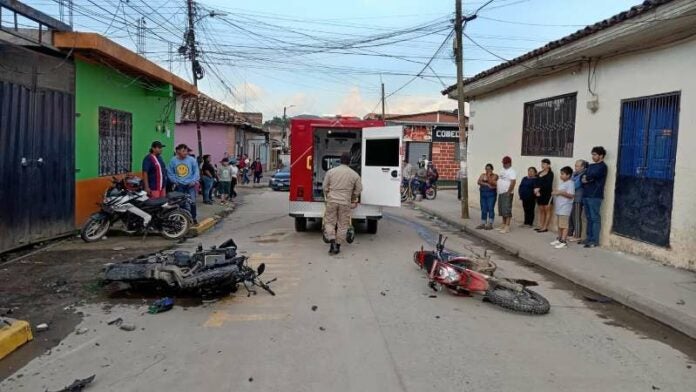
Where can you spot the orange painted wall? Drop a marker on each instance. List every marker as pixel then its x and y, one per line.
pixel 88 194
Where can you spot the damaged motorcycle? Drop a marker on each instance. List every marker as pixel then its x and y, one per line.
pixel 465 276
pixel 126 201
pixel 215 269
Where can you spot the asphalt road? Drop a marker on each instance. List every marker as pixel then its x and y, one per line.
pixel 375 327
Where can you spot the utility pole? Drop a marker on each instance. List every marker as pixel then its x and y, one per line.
pixel 196 70
pixel 383 104
pixel 463 137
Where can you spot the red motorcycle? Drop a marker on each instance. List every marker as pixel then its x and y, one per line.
pixel 466 276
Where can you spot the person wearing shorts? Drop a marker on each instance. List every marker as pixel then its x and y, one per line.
pixel 563 203
pixel 506 189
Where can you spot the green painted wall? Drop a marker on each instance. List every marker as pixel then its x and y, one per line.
pixel 101 86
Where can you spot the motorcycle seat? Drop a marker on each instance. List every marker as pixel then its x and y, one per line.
pixel 175 195
pixel 156 202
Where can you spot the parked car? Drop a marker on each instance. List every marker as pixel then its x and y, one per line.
pixel 280 180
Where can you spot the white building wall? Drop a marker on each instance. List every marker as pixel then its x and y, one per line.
pixel 497 131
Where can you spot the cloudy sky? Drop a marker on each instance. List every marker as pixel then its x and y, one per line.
pixel 329 57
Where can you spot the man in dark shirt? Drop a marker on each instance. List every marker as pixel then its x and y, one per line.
pixel 155 172
pixel 593 193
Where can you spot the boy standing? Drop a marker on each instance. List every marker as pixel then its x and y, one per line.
pixel 563 204
pixel 224 173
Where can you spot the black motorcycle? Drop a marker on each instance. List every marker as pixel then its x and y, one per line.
pixel 126 201
pixel 214 269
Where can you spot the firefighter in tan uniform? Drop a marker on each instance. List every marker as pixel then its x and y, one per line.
pixel 342 188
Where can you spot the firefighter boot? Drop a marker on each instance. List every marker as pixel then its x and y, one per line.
pixel 333 247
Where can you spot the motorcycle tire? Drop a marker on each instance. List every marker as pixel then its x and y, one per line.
pixel 184 225
pixel 95 228
pixel 431 193
pixel 525 301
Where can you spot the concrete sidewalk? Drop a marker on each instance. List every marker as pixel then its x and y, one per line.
pixel 663 293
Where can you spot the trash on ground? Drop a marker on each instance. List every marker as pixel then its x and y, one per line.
pixel 161 305
pixel 314 308
pixel 681 302
pixel 117 248
pixel 127 327
pixel 78 385
pixel 42 327
pixel 432 296
pixel 115 320
pixel 599 299
pixel 81 331
pixel 322 329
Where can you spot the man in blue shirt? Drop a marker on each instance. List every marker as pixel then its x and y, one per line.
pixel 593 193
pixel 155 172
pixel 184 174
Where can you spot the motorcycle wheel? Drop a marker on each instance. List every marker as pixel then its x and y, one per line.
pixel 431 193
pixel 526 301
pixel 95 228
pixel 175 224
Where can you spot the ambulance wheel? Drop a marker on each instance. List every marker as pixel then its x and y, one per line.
pixel 372 226
pixel 300 224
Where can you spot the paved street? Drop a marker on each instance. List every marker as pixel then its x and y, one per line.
pixel 375 328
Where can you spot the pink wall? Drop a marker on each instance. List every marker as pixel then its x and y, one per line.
pixel 215 139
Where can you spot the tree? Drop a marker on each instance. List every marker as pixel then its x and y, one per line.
pixel 275 122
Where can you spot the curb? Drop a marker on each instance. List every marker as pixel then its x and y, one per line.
pixel 13 336
pixel 680 321
pixel 208 223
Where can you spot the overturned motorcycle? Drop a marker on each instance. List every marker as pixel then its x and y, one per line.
pixel 214 269
pixel 464 276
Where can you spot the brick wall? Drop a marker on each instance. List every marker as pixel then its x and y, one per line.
pixel 443 159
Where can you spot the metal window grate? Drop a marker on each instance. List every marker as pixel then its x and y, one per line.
pixel 549 127
pixel 115 135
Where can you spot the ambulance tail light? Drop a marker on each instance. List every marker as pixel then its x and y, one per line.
pixel 300 193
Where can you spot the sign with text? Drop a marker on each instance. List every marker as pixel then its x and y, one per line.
pixel 446 134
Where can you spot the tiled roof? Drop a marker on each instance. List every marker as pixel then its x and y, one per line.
pixel 253 118
pixel 212 111
pixel 635 11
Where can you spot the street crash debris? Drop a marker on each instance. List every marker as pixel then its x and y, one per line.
pixel 78 385
pixel 214 269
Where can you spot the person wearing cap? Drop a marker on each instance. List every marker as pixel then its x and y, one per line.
pixel 507 178
pixel 184 173
pixel 155 172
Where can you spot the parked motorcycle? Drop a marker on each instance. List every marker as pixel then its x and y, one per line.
pixel 217 268
pixel 409 190
pixel 462 275
pixel 126 201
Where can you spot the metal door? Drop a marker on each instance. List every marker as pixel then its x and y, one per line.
pixel 381 166
pixel 416 150
pixel 37 175
pixel 645 175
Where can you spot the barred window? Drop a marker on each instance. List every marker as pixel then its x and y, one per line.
pixel 115 133
pixel 549 127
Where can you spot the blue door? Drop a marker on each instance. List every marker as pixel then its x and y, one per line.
pixel 645 173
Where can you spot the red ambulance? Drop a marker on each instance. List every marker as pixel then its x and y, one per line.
pixel 316 145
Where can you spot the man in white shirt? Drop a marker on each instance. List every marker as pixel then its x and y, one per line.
pixel 507 178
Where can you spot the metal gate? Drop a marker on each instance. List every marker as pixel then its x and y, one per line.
pixel 416 150
pixel 645 173
pixel 37 135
